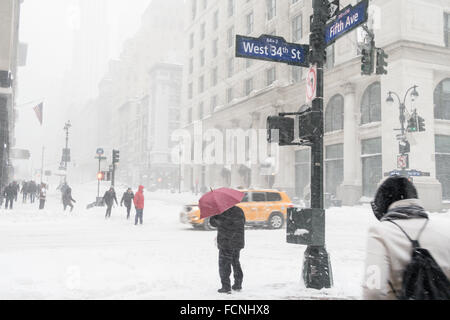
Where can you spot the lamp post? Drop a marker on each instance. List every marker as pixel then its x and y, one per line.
pixel 402 104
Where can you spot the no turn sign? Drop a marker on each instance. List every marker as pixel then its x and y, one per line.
pixel 311 84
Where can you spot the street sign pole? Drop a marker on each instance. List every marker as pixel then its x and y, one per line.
pixel 317 267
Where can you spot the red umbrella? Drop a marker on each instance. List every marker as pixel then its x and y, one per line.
pixel 218 201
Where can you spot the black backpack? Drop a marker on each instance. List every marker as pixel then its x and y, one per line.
pixel 423 279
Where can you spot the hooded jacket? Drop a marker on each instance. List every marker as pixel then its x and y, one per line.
pixel 389 250
pixel 139 198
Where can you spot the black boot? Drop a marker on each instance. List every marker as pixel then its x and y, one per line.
pixel 224 290
pixel 237 287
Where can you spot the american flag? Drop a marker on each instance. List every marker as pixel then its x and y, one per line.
pixel 39 110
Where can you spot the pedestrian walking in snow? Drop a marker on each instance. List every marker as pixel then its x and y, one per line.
pixel 127 199
pixel 230 241
pixel 9 194
pixel 405 231
pixel 139 205
pixel 67 198
pixel 17 189
pixel 109 197
pixel 42 196
pixel 24 191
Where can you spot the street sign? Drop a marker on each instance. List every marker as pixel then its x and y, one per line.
pixel 272 48
pixel 409 173
pixel 347 20
pixel 311 84
pixel 100 151
pixel 403 162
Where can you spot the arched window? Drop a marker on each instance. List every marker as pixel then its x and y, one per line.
pixel 442 100
pixel 371 104
pixel 334 114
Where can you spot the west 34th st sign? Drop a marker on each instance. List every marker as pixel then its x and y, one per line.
pixel 347 20
pixel 272 48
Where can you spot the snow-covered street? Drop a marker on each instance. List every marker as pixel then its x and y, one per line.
pixel 56 255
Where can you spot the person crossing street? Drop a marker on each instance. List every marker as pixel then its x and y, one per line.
pixel 139 205
pixel 127 198
pixel 109 198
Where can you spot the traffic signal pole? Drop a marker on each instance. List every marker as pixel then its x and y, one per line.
pixel 317 268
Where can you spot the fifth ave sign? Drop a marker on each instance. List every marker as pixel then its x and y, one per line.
pixel 347 20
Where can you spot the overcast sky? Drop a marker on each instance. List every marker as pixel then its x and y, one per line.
pixel 47 26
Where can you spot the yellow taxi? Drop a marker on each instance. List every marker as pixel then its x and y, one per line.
pixel 261 208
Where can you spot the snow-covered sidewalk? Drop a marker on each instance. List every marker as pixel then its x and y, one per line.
pixel 55 255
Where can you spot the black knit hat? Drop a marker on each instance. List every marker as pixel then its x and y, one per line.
pixel 392 190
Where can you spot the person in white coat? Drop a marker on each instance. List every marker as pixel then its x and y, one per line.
pixel 389 251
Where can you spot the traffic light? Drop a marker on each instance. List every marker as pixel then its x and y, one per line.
pixel 404 147
pixel 285 128
pixel 100 176
pixel 367 63
pixel 412 124
pixel 116 156
pixel 381 61
pixel 421 123
pixel 308 124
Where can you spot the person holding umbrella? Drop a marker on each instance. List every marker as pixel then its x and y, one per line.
pixel 220 206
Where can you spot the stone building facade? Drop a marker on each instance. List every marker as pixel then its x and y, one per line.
pixel 222 92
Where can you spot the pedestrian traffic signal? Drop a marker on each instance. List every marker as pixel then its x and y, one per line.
pixel 116 156
pixel 412 124
pixel 367 63
pixel 284 126
pixel 100 176
pixel 308 126
pixel 404 147
pixel 421 123
pixel 381 62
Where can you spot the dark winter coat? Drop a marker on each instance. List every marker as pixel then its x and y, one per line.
pixel 230 229
pixel 10 192
pixel 127 198
pixel 67 196
pixel 110 197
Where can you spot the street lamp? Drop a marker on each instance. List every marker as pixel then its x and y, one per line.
pixel 402 103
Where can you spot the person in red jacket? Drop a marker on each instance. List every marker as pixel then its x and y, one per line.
pixel 139 205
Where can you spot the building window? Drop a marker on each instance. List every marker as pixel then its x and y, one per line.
pixel 216 20
pixel 271 75
pixel 202 31
pixel 202 57
pixel 191 65
pixel 200 111
pixel 205 4
pixel 230 8
pixel 447 29
pixel 248 86
pixel 191 41
pixel 193 9
pixel 215 47
pixel 230 95
pixel 334 114
pixel 372 166
pixel 330 57
pixel 230 37
pixel 443 164
pixel 334 168
pixel 230 67
pixel 201 84
pixel 213 103
pixel 271 9
pixel 296 74
pixel 371 104
pixel 297 32
pixel 442 100
pixel 249 22
pixel 190 90
pixel 214 76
